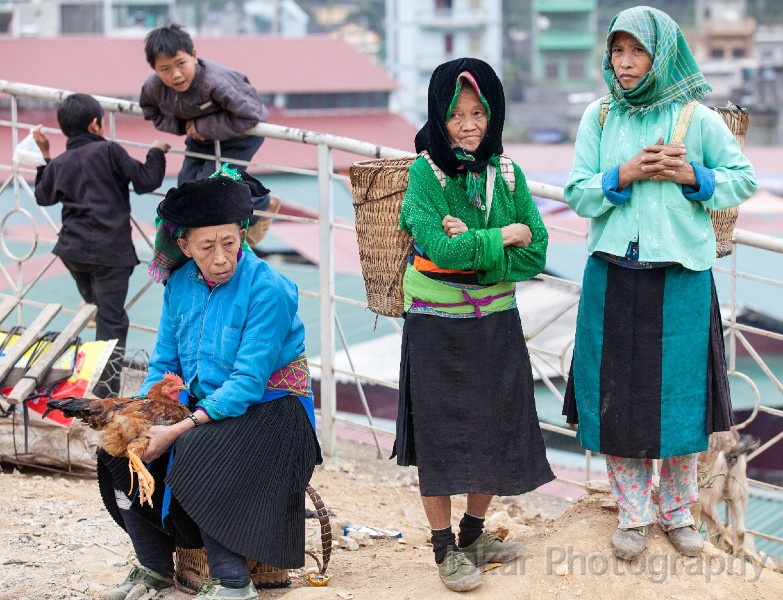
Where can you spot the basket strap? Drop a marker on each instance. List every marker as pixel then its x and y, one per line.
pixel 680 128
pixel 506 170
pixel 491 172
pixel 604 110
pixel 435 169
pixel 683 121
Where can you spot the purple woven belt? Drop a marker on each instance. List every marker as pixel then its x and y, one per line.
pixel 469 301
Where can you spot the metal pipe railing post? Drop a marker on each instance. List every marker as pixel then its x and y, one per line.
pixel 733 326
pixel 326 280
pixel 17 203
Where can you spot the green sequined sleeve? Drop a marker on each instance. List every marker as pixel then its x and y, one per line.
pixel 521 264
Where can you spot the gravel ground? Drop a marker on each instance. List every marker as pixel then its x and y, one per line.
pixel 58 542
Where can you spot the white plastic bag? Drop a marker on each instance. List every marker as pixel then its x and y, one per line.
pixel 28 153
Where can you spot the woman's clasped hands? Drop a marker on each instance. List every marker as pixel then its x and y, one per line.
pixel 658 162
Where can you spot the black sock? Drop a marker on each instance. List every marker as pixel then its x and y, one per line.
pixel 470 529
pixel 442 541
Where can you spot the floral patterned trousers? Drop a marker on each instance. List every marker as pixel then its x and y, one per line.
pixel 631 482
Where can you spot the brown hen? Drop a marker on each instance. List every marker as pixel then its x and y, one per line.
pixel 123 423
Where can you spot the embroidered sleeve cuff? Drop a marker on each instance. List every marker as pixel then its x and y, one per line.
pixel 609 183
pixel 705 184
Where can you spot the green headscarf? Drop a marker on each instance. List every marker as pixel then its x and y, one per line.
pixel 674 75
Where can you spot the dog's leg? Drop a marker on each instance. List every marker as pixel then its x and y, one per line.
pixel 737 501
pixel 710 495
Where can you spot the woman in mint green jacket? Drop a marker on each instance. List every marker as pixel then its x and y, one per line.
pixel 649 372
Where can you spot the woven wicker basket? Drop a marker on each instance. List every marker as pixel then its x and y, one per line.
pixel 191 570
pixel 723 221
pixel 378 189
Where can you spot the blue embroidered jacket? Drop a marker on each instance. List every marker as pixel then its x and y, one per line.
pixel 228 341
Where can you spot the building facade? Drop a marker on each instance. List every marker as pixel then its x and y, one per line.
pixel 51 18
pixel 134 18
pixel 565 38
pixel 423 34
pixel 723 45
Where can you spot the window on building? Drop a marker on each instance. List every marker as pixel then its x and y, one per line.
pixel 81 18
pixel 738 52
pixel 716 53
pixel 475 43
pixel 576 70
pixel 552 70
pixel 448 44
pixel 443 4
pixel 147 16
pixel 346 100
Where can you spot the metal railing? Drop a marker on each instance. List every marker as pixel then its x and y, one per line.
pixel 546 362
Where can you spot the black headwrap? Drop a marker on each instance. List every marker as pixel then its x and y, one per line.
pixel 206 202
pixel 223 198
pixel 434 138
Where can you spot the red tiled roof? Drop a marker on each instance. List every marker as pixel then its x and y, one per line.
pixel 118 67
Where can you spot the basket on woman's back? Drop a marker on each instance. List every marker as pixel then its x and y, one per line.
pixel 378 190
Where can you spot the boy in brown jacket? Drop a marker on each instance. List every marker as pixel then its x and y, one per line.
pixel 204 101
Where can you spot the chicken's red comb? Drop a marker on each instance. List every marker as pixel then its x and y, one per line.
pixel 172 376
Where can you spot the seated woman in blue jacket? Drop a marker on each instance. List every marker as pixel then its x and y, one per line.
pixel 236 472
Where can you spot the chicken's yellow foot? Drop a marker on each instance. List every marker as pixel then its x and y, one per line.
pixel 146 481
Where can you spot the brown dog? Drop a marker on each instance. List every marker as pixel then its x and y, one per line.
pixel 723 477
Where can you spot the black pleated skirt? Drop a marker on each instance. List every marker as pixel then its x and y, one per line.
pixel 241 480
pixel 467 416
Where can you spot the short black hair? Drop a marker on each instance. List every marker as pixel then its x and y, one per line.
pixel 77 112
pixel 166 40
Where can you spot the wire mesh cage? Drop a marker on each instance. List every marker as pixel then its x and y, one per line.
pixel 123 374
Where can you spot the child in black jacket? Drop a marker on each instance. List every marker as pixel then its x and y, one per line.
pixel 91 180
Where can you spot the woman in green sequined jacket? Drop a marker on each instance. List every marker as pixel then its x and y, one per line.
pixel 467 414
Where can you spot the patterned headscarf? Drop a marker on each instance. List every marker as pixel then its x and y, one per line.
pixel 674 75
